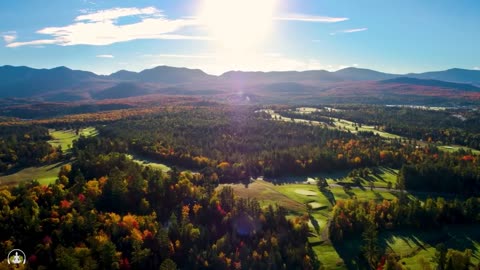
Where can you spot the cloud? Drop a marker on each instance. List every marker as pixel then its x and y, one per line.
pixel 9 36
pixel 115 13
pixel 476 68
pixel 101 28
pixel 177 56
pixel 311 18
pixel 354 30
pixel 105 56
pixel 32 43
pixel 347 31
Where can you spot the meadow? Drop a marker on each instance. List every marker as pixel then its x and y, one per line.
pixel 65 138
pixel 149 162
pixel 44 174
pixel 48 173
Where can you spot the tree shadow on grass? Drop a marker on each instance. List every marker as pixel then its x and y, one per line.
pixel 329 195
pixel 459 237
pixel 378 196
pixel 60 164
pixel 350 250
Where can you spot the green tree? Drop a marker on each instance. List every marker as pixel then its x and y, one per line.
pixel 440 256
pixel 168 265
pixel 370 244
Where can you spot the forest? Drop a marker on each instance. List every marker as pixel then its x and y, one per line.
pixel 124 216
pixel 106 211
pixel 22 146
pixel 446 125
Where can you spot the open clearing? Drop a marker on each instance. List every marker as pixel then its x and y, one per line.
pixel 343 124
pixel 65 138
pixel 380 177
pixel 148 162
pixel 44 174
pixel 48 173
pixel 266 194
pixel 305 192
pixel 456 148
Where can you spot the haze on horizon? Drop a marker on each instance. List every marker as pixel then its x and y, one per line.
pixel 221 35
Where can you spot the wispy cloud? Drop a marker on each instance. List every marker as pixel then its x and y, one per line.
pixel 9 36
pixel 347 31
pixel 178 56
pixel 310 18
pixel 354 30
pixel 32 43
pixel 105 56
pixel 476 68
pixel 115 13
pixel 101 28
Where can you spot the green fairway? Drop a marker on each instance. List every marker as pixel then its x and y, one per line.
pixel 329 257
pixel 414 246
pixel 340 124
pixel 380 177
pixel 343 124
pixel 300 195
pixel 267 194
pixel 65 138
pixel 48 173
pixel 45 175
pixel 147 162
pixel 456 148
pixel 295 197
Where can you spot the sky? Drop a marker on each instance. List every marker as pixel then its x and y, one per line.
pixel 104 36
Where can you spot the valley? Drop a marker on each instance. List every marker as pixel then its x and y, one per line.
pixel 317 162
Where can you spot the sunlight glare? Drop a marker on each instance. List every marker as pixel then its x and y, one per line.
pixel 238 25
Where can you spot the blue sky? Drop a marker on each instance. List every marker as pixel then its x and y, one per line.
pixel 104 36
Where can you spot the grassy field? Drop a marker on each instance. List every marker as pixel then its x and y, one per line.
pixel 266 194
pixel 455 148
pixel 343 124
pixel 380 178
pixel 147 162
pixel 65 138
pixel 295 198
pixel 412 246
pixel 340 124
pixel 47 174
pixel 44 174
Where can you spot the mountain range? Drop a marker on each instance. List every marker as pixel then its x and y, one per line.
pixel 353 85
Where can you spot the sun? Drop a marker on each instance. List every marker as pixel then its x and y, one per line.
pixel 238 25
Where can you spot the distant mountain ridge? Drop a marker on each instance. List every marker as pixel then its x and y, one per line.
pixel 64 84
pixel 162 74
pixel 451 75
pixel 24 81
pixel 433 83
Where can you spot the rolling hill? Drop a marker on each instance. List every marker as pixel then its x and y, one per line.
pixel 352 85
pixel 432 83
